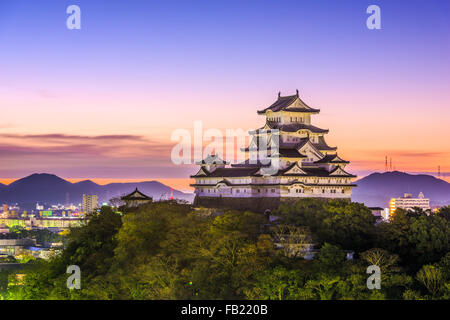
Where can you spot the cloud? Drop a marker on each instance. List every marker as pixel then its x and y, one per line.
pixel 65 137
pixel 408 153
pixel 77 151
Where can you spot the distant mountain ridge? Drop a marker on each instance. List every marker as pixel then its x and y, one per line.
pixel 374 190
pixel 51 189
pixel 377 188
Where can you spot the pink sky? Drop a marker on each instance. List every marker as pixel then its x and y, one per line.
pixel 103 101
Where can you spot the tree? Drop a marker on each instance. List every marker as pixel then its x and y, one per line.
pixel 331 258
pixel 277 283
pixel 348 224
pixel 354 287
pixel 444 212
pixel 431 278
pixel 417 240
pixel 116 202
pixel 381 258
pixel 323 288
pixel 444 266
pixel 294 241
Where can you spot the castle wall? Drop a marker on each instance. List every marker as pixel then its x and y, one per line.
pixel 259 205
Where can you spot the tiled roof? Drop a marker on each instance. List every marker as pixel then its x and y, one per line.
pixel 136 195
pixel 283 103
pixel 211 159
pixel 290 153
pixel 291 127
pixel 234 172
pixel 247 163
pixel 322 145
pixel 331 158
pixel 314 172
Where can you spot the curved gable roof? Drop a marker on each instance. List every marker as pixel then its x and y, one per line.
pixel 286 104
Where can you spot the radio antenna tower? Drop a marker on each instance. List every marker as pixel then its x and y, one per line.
pixel 390 164
pixel 385 164
pixel 439 172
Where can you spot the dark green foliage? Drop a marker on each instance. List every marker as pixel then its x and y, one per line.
pixel 167 250
pixel 348 224
pixel 330 259
pixel 444 212
pixel 418 239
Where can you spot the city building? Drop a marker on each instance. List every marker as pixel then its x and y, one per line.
pixel 14 247
pixel 90 203
pixel 380 213
pixel 407 202
pixel 135 199
pixel 288 159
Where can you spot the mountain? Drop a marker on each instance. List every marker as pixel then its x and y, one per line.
pixel 377 188
pixel 51 189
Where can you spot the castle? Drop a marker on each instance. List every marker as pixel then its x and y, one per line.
pixel 288 159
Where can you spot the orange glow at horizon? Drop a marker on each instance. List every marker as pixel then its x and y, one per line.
pixel 176 183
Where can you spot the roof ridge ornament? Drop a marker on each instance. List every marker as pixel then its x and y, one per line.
pixel 297 92
pixel 279 94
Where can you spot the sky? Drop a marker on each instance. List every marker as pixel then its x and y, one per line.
pixel 102 102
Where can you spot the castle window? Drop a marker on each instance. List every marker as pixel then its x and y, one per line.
pixel 323 190
pixel 343 191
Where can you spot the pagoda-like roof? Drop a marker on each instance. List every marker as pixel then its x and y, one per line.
pixel 290 127
pixel 290 153
pixel 322 145
pixel 211 159
pixel 331 158
pixel 294 127
pixel 285 104
pixel 247 163
pixel 136 195
pixel 234 172
pixel 317 172
pixel 243 171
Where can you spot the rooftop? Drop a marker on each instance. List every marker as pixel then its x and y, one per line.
pixel 136 195
pixel 283 104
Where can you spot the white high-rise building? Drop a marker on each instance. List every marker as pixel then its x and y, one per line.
pixel 90 203
pixel 407 202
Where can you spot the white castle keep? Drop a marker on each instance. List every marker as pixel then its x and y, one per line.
pixel 288 158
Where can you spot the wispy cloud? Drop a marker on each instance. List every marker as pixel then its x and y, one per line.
pixel 407 153
pixel 105 153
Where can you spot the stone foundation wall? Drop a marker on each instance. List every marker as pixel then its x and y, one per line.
pixel 259 205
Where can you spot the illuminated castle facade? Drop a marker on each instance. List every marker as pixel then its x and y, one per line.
pixel 288 159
